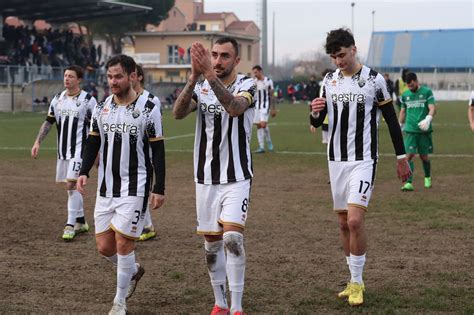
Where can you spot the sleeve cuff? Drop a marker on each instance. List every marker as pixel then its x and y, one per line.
pixel 158 190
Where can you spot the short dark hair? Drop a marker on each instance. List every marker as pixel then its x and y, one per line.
pixel 227 39
pixel 257 67
pixel 404 74
pixel 127 63
pixel 326 71
pixel 77 69
pixel 141 73
pixel 337 39
pixel 411 76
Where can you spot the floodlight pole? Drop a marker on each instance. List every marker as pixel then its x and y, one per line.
pixel 264 35
pixel 352 5
pixel 273 41
pixel 373 21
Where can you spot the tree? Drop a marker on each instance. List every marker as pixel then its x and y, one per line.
pixel 114 28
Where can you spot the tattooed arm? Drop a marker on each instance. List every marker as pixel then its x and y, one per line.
pixel 43 132
pixel 234 105
pixel 184 104
pixel 201 61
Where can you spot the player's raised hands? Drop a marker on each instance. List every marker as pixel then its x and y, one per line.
pixel 195 70
pixel 201 59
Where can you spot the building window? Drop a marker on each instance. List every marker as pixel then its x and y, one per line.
pixel 202 27
pixel 172 73
pixel 214 27
pixel 173 54
pixel 249 52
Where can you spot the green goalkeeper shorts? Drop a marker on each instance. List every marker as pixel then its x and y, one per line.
pixel 420 143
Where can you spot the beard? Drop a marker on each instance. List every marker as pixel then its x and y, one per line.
pixel 224 72
pixel 123 91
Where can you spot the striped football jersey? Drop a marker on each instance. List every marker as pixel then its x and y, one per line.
pixel 262 94
pixel 222 143
pixel 72 117
pixel 353 106
pixel 125 167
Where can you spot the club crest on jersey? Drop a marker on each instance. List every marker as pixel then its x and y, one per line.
pixel 361 82
pixel 78 103
pixel 334 82
pixel 204 91
pixel 135 114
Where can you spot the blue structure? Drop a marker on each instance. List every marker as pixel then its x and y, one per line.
pixel 450 50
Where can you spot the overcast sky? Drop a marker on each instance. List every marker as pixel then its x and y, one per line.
pixel 301 25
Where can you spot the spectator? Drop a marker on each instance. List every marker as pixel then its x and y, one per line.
pixel 389 83
pixel 290 90
pixel 312 89
pixel 181 53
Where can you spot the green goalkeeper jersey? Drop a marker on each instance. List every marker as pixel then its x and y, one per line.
pixel 416 108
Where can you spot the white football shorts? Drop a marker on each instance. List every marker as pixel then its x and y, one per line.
pixel 325 137
pixel 124 215
pixel 352 183
pixel 261 115
pixel 68 170
pixel 221 204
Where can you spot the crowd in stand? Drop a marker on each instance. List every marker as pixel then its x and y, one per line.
pixel 302 91
pixel 54 48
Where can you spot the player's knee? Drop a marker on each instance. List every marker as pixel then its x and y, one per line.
pixel 343 226
pixel 70 185
pixel 106 250
pixel 212 250
pixel 124 245
pixel 234 243
pixel 424 157
pixel 354 224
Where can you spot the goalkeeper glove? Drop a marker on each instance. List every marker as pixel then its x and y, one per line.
pixel 425 123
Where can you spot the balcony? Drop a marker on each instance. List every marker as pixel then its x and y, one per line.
pixel 147 59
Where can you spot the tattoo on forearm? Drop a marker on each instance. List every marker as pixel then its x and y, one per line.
pixel 233 105
pixel 43 132
pixel 183 102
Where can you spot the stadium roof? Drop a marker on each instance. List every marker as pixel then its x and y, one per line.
pixel 59 11
pixel 448 49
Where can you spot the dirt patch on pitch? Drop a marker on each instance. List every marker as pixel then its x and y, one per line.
pixel 294 260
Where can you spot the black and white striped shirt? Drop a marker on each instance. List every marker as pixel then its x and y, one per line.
pixel 353 107
pixel 222 143
pixel 262 94
pixel 71 115
pixel 125 168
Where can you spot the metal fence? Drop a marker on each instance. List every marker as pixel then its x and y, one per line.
pixel 22 75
